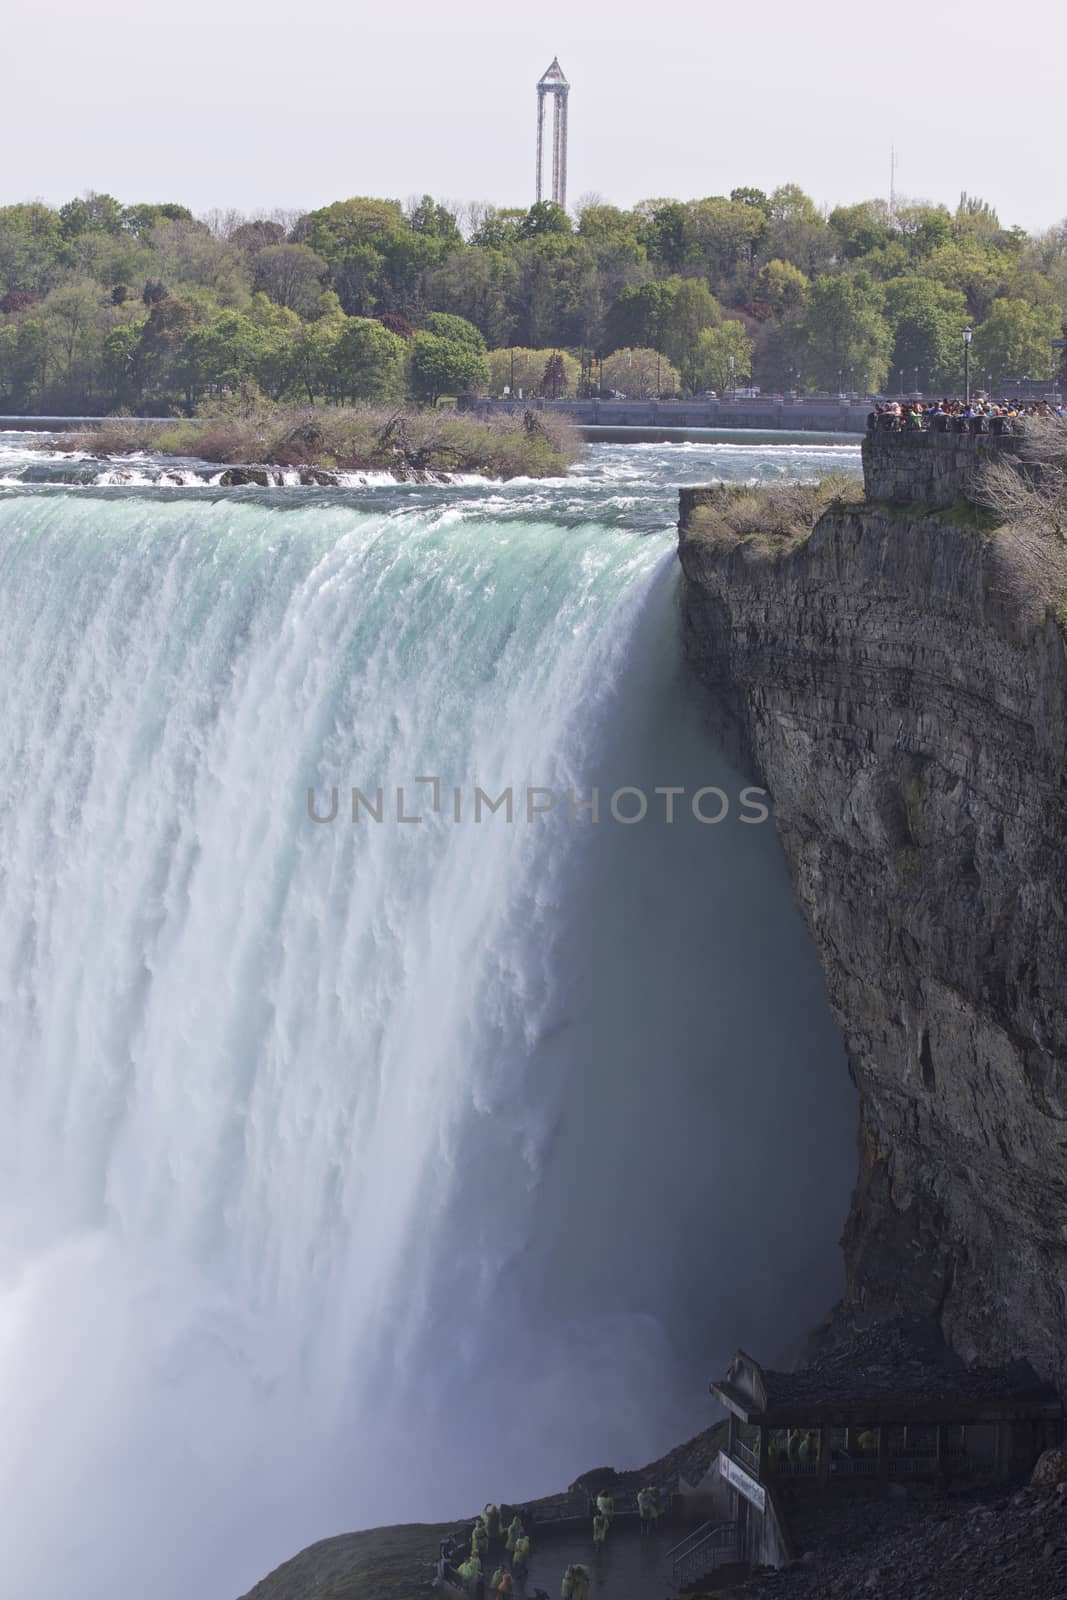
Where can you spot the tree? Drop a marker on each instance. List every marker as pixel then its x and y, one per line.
pixel 315 350
pixel 443 366
pixel 640 374
pixel 927 320
pixel 72 312
pixel 861 228
pixel 796 231
pixel 435 221
pixel 554 377
pixel 664 230
pixel 156 363
pixel 518 368
pixel 188 255
pixel 691 308
pixel 447 326
pixel 1015 339
pixel 475 283
pixel 291 275
pixel 842 330
pixel 637 317
pixel 140 220
pixel 544 217
pixel 724 235
pixel 752 197
pixel 252 237
pixel 92 213
pixel 715 348
pixel 783 286
pixel 369 360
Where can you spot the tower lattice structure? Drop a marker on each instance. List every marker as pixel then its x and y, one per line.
pixel 555 84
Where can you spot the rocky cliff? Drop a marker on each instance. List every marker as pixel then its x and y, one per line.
pixel 899 680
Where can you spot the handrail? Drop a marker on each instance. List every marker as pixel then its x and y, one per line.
pixel 719 1534
pixel 716 1549
pixel 698 1534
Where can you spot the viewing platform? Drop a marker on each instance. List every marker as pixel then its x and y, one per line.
pixel 932 467
pixel 893 1405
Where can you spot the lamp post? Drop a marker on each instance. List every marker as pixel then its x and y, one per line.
pixel 967 334
pixel 916 380
pixel 902 383
pixel 732 394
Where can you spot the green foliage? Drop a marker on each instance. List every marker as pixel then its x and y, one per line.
pixel 368 361
pixel 782 286
pixel 445 366
pixel 714 351
pixel 544 217
pixel 1015 338
pixel 640 374
pixel 291 275
pixel 267 303
pixel 843 330
pixel 518 368
pixel 927 320
pixel 448 326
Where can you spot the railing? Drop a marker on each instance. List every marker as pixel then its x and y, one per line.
pixel 746 1457
pixel 691 1540
pixel 915 1464
pixel 1001 427
pixel 718 1548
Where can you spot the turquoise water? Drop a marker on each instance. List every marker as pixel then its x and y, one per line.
pixel 363 1171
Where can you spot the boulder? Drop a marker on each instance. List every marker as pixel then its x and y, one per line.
pixel 1051 1469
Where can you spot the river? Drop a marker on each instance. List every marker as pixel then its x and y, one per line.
pixel 362 1171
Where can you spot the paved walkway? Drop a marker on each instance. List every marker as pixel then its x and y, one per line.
pixel 631 1568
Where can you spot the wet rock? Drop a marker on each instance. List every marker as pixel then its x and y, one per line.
pixel 237 477
pixel 1051 1470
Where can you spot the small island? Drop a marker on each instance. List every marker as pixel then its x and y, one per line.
pixel 411 444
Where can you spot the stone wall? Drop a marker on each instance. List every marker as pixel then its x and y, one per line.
pixel 929 469
pixel 828 415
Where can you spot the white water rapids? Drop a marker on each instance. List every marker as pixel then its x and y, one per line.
pixel 355 1173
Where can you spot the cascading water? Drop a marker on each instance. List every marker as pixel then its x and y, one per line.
pixel 357 1172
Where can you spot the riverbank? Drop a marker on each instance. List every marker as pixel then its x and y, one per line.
pixel 412 445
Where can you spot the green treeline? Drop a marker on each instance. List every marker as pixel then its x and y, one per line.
pixel 144 308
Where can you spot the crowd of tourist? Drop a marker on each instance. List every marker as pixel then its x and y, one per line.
pixel 958 416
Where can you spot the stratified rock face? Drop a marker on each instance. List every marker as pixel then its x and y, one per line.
pixel 901 683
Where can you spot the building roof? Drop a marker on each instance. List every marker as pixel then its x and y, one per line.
pixel 895 1372
pixel 554 78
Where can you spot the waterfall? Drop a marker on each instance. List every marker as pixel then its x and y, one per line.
pixel 360 1171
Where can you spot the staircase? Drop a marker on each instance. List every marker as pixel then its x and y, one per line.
pixel 712 1545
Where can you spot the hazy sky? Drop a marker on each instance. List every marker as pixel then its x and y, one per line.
pixel 214 103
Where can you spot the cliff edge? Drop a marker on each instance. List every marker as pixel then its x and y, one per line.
pixel 898 677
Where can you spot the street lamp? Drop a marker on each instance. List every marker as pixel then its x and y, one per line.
pixel 732 394
pixel 916 380
pixel 967 336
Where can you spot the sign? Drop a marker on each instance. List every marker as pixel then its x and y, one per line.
pixel 740 1480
